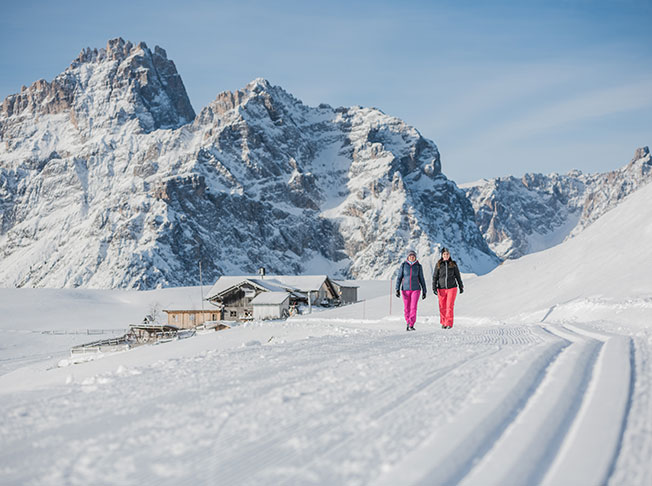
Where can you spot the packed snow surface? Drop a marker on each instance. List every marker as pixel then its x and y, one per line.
pixel 544 379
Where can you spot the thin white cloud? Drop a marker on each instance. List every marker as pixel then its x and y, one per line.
pixel 595 104
pixel 473 92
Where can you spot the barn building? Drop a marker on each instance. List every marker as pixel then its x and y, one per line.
pixel 234 295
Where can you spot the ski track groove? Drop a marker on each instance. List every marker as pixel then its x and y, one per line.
pixel 611 386
pixel 538 458
pixel 450 453
pixel 630 400
pixel 529 451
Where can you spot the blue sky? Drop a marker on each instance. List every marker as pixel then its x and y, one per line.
pixel 502 87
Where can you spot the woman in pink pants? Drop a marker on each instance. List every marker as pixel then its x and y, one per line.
pixel 411 283
pixel 445 281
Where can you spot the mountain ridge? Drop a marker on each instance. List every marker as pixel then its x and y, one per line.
pixel 114 190
pixel 518 216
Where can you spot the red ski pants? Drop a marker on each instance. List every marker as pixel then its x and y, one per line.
pixel 410 302
pixel 446 304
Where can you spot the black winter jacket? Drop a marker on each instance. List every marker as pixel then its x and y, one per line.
pixel 410 277
pixel 447 276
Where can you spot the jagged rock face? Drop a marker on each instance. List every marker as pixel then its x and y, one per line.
pixel 520 216
pixel 104 89
pixel 110 187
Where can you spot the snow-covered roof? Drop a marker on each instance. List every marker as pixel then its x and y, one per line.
pixel 226 282
pixel 272 283
pixel 271 298
pixel 190 306
pixel 346 284
pixel 303 283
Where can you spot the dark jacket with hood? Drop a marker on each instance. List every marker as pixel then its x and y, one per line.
pixel 447 275
pixel 410 277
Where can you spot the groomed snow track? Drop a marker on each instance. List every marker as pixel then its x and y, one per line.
pixel 556 419
pixel 509 405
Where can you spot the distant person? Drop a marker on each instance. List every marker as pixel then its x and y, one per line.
pixel 445 281
pixel 411 283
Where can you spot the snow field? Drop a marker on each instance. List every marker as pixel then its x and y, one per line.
pixel 334 399
pixel 324 410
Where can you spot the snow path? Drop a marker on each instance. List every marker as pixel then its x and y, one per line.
pixel 580 372
pixel 322 403
pixel 331 409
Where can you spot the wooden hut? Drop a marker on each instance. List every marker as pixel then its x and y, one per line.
pixel 348 293
pixel 188 317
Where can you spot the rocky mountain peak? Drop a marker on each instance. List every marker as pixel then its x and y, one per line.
pixel 258 85
pixel 259 89
pixel 108 87
pixel 641 153
pixel 116 50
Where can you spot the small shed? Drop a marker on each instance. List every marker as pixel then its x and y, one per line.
pixel 271 305
pixel 348 293
pixel 189 317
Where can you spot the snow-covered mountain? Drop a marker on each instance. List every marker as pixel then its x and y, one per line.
pixel 608 264
pixel 107 179
pixel 521 216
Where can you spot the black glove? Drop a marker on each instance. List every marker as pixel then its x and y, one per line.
pixel 461 290
pixel 435 291
pixel 423 295
pixel 398 293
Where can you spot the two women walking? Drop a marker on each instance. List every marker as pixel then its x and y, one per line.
pixel 445 281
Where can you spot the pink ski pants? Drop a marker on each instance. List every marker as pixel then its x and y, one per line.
pixel 446 304
pixel 410 302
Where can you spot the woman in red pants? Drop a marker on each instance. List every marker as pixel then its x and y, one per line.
pixel 445 281
pixel 411 284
